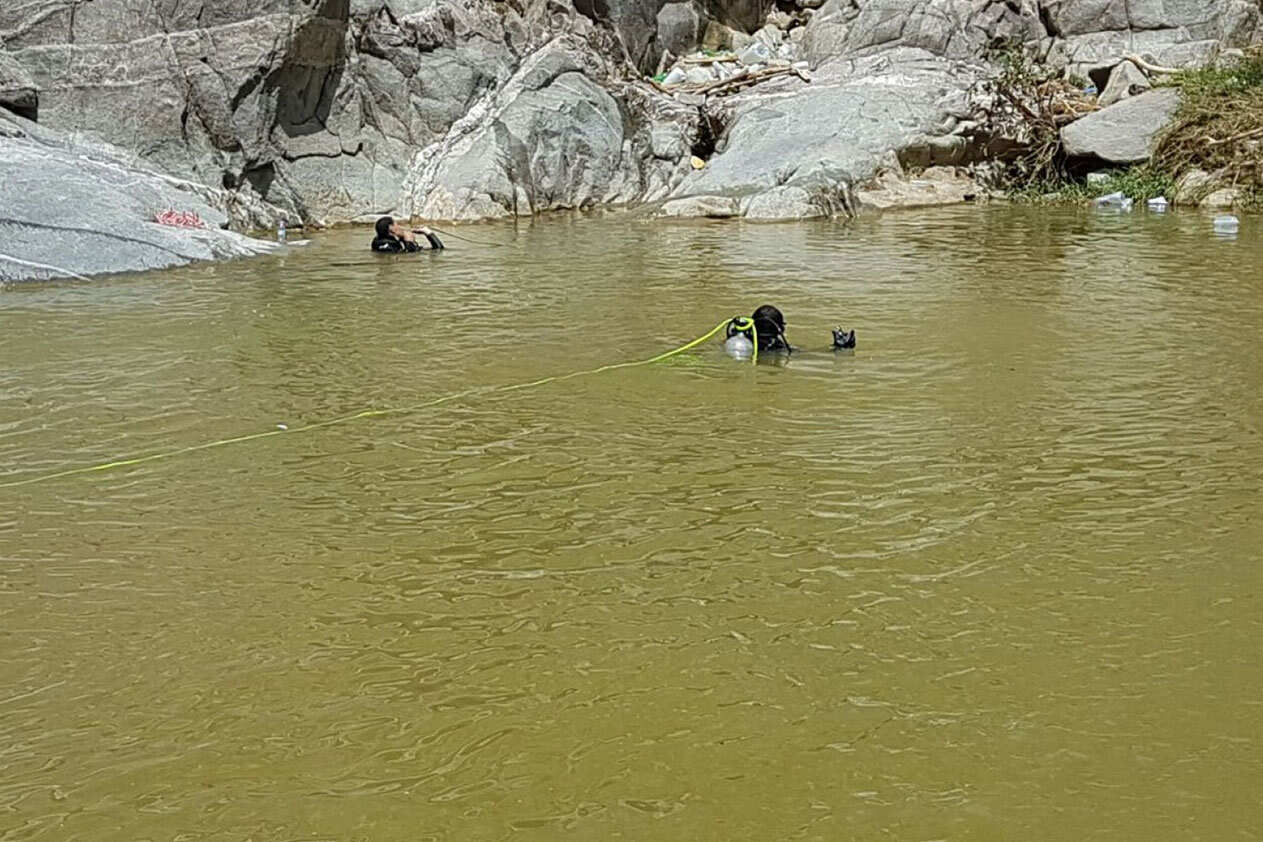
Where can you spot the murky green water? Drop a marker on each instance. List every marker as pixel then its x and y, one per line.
pixel 993 577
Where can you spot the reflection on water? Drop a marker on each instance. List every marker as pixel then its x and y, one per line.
pixel 994 576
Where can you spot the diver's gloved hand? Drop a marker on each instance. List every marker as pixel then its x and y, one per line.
pixel 435 242
pixel 843 340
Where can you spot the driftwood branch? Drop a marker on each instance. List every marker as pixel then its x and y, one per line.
pixel 709 59
pixel 1210 141
pixel 1147 67
pixel 720 87
pixel 745 80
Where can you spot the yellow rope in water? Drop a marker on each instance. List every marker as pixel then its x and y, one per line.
pixel 370 413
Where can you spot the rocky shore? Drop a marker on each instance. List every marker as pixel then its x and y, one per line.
pixel 329 111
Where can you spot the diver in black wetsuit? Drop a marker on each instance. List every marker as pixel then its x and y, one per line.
pixel 393 238
pixel 769 326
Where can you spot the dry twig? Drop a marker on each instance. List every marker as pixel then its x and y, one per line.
pixel 1148 68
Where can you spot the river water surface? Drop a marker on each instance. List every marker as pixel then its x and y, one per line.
pixel 994 576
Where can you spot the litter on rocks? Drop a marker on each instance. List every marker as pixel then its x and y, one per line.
pixel 720 73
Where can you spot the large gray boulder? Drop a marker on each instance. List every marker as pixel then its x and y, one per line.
pixel 825 138
pixel 959 29
pixel 636 24
pixel 681 27
pixel 1123 133
pixel 1196 20
pixel 73 209
pixel 222 93
pixel 315 106
pixel 550 138
pixel 1091 36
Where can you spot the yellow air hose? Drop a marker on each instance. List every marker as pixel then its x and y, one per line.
pixel 741 323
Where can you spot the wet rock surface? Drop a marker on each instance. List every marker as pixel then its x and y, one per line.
pixel 73 209
pixel 893 189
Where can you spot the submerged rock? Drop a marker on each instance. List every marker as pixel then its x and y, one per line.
pixel 1225 197
pixel 1193 186
pixel 933 186
pixel 786 203
pixel 710 207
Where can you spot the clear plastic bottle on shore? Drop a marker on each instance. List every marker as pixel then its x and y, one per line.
pixel 280 231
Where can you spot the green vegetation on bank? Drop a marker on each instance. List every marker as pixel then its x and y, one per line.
pixel 1139 182
pixel 1217 129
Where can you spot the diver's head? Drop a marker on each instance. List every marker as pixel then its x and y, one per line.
pixel 770 319
pixel 766 323
pixel 770 325
pixel 384 226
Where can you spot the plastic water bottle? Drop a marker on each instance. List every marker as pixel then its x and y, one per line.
pixel 280 231
pixel 1114 201
pixel 1226 224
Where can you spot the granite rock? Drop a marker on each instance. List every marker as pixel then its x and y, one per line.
pixel 1123 133
pixel 73 208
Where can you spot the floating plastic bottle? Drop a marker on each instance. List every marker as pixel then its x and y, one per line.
pixel 1114 200
pixel 1226 224
pixel 1158 204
